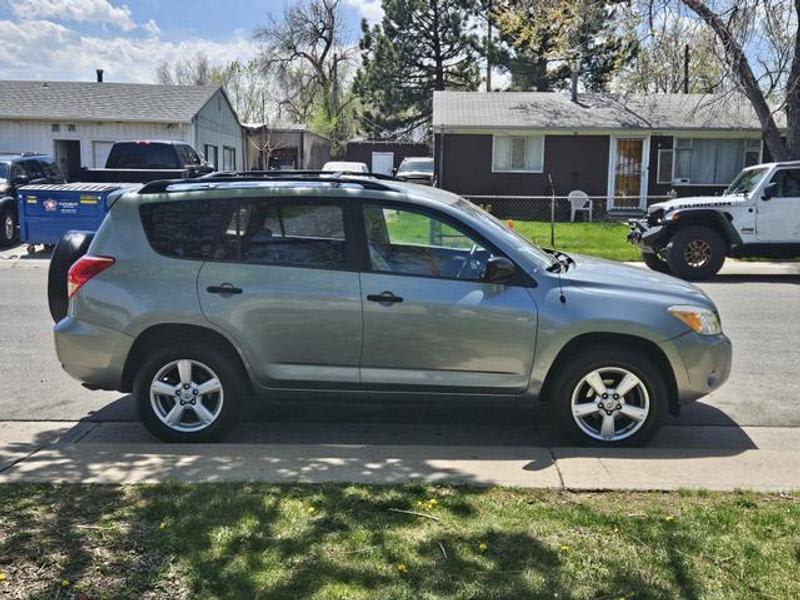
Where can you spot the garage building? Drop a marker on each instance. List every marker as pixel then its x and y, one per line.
pixel 77 122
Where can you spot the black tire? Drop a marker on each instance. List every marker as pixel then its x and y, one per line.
pixel 8 226
pixel 656 263
pixel 224 366
pixel 69 249
pixel 569 380
pixel 708 258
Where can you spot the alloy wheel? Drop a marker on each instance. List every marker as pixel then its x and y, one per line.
pixel 610 404
pixel 186 395
pixel 697 253
pixel 8 227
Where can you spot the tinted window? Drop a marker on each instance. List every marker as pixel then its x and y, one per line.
pixel 4 168
pixel 190 156
pixel 34 169
pixel 788 181
pixel 414 243
pixel 51 169
pixel 142 155
pixel 201 229
pixel 304 234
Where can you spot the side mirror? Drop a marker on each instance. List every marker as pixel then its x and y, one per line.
pixel 394 170
pixel 499 270
pixel 770 190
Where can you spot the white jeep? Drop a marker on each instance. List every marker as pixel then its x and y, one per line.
pixel 757 216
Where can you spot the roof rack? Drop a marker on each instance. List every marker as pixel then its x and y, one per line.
pixel 215 180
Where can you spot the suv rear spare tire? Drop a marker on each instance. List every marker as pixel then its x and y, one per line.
pixel 69 249
pixel 696 253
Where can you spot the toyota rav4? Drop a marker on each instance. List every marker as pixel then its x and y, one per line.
pixel 196 295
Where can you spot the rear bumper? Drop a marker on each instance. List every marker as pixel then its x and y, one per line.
pixel 92 354
pixel 648 238
pixel 701 363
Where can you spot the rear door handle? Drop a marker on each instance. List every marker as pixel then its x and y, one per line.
pixel 225 289
pixel 384 298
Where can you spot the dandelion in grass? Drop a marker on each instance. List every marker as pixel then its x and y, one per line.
pixel 483 546
pixel 401 568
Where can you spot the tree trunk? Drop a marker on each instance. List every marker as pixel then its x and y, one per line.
pixel 747 80
pixel 793 98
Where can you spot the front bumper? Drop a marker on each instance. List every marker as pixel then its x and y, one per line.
pixel 649 238
pixel 701 363
pixel 92 354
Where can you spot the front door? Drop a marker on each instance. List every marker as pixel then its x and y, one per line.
pixel 430 321
pixel 778 218
pixel 68 157
pixel 627 176
pixel 287 292
pixel 383 162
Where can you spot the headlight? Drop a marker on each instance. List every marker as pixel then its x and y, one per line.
pixel 698 319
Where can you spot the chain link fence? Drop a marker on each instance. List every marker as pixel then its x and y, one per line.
pixel 578 222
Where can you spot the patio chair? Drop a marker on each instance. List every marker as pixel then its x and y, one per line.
pixel 579 202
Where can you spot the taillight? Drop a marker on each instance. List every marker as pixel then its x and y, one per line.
pixel 84 269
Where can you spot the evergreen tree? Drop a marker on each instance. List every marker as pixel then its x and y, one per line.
pixel 419 46
pixel 540 41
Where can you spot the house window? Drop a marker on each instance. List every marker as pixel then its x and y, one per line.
pixel 664 167
pixel 518 153
pixel 212 155
pixel 228 159
pixel 708 161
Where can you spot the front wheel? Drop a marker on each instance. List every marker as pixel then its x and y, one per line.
pixel 188 395
pixel 609 396
pixel 696 253
pixel 8 227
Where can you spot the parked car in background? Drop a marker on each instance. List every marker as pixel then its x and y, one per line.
pixel 757 216
pixel 147 160
pixel 417 169
pixel 17 170
pixel 197 295
pixel 344 166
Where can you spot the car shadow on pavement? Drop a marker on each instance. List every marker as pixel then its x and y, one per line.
pixel 779 278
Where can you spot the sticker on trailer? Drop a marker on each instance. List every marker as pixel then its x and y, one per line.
pixel 50 205
pixel 89 199
pixel 68 208
pixel 31 199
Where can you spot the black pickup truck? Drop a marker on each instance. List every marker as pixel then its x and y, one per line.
pixel 148 160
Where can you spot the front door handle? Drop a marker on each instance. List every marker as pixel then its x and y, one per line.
pixel 384 298
pixel 225 289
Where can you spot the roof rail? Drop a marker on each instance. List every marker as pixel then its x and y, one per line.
pixel 216 180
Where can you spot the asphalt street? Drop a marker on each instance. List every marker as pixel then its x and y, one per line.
pixel 759 304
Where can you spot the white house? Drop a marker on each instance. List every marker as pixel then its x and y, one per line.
pixel 76 122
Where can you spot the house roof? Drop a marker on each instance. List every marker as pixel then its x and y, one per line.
pixel 556 110
pixel 85 101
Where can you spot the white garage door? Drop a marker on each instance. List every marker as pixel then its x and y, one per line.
pixel 383 162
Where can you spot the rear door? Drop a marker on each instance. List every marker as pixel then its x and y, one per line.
pixel 778 218
pixel 285 288
pixel 430 321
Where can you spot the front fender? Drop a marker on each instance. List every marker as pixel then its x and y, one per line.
pixel 707 217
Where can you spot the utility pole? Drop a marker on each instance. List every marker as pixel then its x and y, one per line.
pixel 489 46
pixel 686 69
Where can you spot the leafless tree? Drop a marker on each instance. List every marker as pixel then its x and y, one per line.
pixel 195 70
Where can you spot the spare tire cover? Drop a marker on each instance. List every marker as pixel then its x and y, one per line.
pixel 69 249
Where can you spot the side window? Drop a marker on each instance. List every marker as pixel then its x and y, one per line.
pixel 199 229
pixel 788 181
pixel 303 234
pixel 51 170
pixel 415 243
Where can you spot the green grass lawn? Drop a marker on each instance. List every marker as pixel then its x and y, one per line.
pixel 350 541
pixel 606 240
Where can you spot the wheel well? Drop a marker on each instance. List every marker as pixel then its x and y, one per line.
pixel 582 342
pixel 712 221
pixel 188 334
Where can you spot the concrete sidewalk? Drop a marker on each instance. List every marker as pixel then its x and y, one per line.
pixel 715 458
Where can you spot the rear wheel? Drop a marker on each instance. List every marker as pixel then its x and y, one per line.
pixel 609 395
pixel 8 227
pixel 655 262
pixel 188 395
pixel 696 253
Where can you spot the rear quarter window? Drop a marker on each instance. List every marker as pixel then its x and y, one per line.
pixel 196 229
pixel 143 155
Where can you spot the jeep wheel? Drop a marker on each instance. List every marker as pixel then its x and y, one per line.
pixel 696 253
pixel 188 395
pixel 656 263
pixel 608 396
pixel 8 227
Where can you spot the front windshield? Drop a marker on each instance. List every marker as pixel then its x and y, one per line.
pixel 417 165
pixel 520 242
pixel 746 182
pixel 4 170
